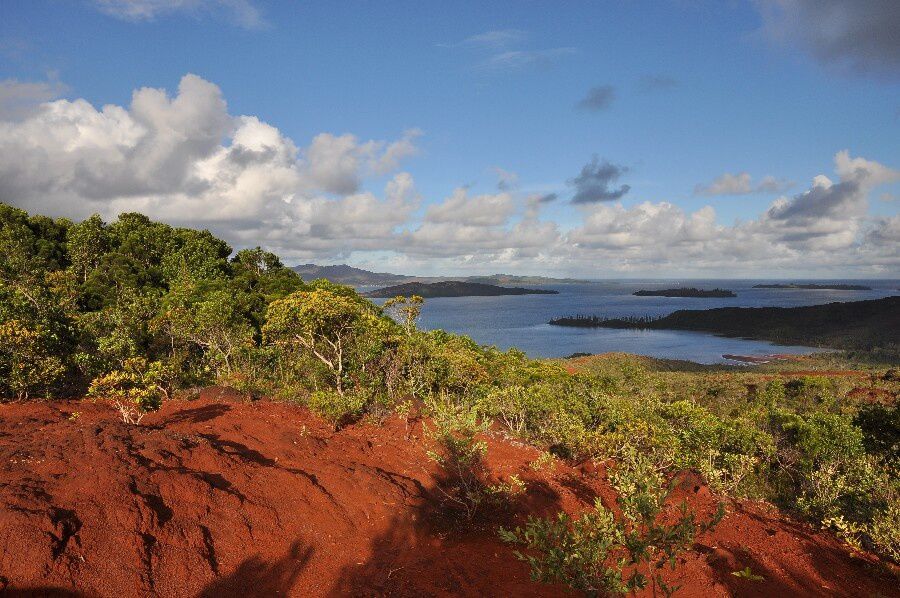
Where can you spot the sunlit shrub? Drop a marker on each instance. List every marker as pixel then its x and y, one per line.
pixel 459 450
pixel 27 367
pixel 599 553
pixel 337 409
pixel 135 390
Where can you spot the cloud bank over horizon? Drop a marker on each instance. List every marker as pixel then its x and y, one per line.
pixel 184 159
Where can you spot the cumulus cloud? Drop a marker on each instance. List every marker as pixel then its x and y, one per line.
pixel 184 159
pixel 858 36
pixel 598 98
pixel 594 182
pixel 829 215
pixel 742 184
pixel 478 210
pixel 824 229
pixel 241 12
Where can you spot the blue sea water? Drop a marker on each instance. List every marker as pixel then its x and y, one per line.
pixel 521 321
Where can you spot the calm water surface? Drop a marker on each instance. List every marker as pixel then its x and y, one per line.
pixel 521 321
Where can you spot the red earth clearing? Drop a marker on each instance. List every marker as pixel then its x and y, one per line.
pixel 222 496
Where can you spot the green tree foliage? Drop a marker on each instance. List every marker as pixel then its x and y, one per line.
pixel 328 323
pixel 26 366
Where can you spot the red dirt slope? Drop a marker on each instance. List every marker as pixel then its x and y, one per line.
pixel 220 497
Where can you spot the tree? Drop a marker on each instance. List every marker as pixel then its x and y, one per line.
pixel 213 321
pixel 405 309
pixel 26 365
pixel 325 324
pixel 86 242
pixel 197 254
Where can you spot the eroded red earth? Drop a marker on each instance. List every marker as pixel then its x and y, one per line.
pixel 221 497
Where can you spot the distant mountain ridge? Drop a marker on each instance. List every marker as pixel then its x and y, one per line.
pixel 453 288
pixel 350 275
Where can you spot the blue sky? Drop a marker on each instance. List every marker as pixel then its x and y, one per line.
pixel 688 92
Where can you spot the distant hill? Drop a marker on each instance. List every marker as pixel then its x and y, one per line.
pixel 826 287
pixel 685 292
pixel 343 274
pixel 513 279
pixel 453 288
pixel 855 325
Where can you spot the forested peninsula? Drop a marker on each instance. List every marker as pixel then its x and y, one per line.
pixel 855 325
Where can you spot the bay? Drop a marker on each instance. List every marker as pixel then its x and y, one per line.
pixel 521 321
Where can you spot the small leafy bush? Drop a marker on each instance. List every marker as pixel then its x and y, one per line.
pixel 600 553
pixel 135 390
pixel 338 409
pixel 460 453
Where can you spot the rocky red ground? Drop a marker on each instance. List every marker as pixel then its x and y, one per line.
pixel 221 496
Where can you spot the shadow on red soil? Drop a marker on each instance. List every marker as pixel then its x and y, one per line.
pixel 222 497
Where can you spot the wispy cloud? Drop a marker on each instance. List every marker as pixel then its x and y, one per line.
pixel 241 12
pixel 515 60
pixel 501 50
pixel 496 38
pixel 742 184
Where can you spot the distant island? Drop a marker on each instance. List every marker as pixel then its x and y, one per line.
pixel 685 292
pixel 819 287
pixel 855 325
pixel 453 288
pixel 350 275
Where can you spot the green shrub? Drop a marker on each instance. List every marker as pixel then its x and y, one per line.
pixel 338 409
pixel 884 530
pixel 135 390
pixel 880 426
pixel 598 553
pixel 460 453
pixel 26 365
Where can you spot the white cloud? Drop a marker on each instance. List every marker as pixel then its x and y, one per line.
pixel 824 229
pixel 242 12
pixel 184 159
pixel 517 60
pixel 479 210
pixel 496 38
pixel 502 51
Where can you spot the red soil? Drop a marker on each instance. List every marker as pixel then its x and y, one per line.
pixel 221 497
